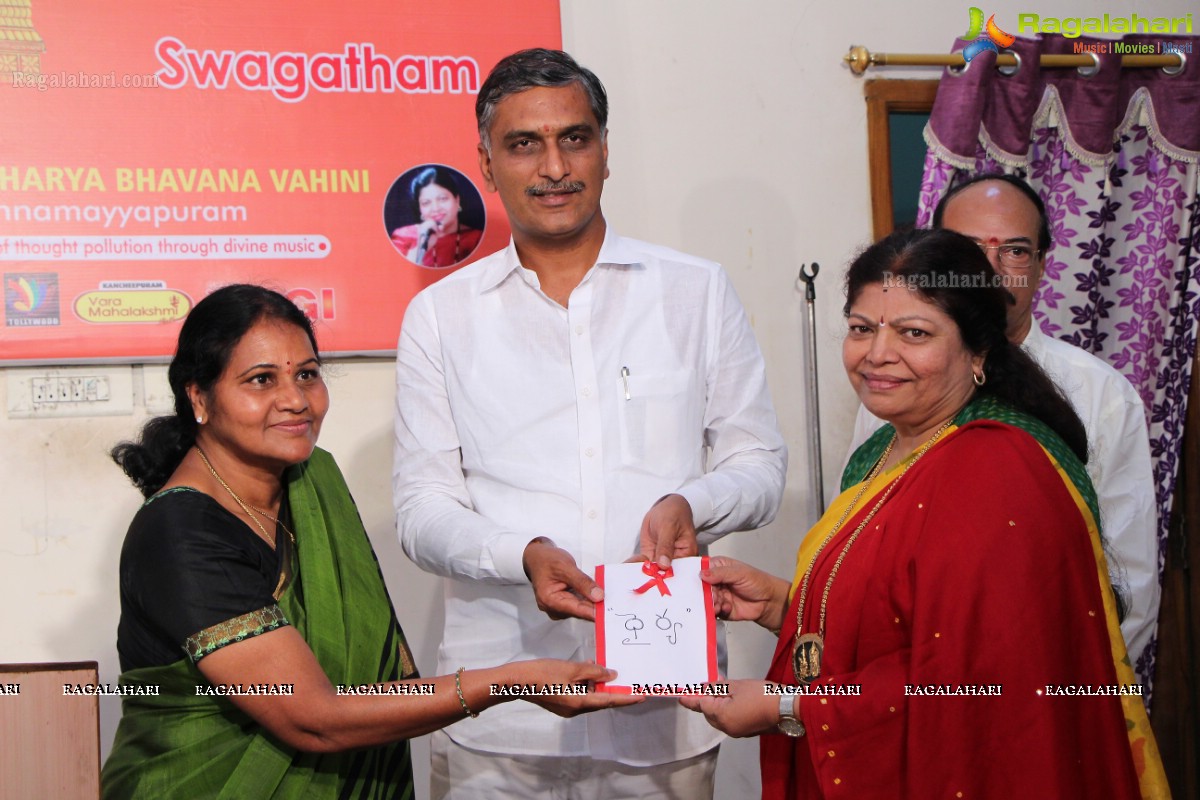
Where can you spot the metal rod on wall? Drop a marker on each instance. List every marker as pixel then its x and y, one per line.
pixel 816 473
pixel 860 59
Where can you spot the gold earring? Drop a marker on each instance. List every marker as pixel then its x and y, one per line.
pixel 979 377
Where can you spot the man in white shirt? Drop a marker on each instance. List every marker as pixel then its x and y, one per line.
pixel 1008 219
pixel 576 399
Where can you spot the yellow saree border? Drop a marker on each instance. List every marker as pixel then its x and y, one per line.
pixel 1152 778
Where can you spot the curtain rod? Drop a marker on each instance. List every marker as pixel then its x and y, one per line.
pixel 860 58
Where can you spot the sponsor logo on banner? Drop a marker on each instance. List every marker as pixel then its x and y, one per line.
pixel 124 306
pixel 21 46
pixel 31 299
pixel 317 304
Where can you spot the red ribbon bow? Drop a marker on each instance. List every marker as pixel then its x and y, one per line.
pixel 658 577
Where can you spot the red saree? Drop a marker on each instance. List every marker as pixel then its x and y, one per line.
pixel 978 571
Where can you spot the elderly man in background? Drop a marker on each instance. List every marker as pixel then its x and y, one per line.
pixel 1008 220
pixel 575 399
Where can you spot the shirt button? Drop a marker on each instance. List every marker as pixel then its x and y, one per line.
pixel 592 514
pixel 579 330
pixel 589 452
pixel 586 391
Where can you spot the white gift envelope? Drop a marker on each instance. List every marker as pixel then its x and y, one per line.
pixel 656 628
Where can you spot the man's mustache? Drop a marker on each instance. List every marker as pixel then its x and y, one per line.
pixel 560 187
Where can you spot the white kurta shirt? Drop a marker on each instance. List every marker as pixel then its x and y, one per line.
pixel 1118 464
pixel 518 418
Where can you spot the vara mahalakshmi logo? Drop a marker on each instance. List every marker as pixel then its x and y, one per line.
pixel 985 37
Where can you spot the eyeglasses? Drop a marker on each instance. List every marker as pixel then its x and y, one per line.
pixel 1012 256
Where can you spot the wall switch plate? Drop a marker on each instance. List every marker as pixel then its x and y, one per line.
pixel 96 391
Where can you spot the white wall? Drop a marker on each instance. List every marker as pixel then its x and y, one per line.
pixel 736 134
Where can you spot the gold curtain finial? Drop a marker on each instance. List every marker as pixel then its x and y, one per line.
pixel 859 58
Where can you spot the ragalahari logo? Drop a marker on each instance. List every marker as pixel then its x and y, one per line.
pixel 988 37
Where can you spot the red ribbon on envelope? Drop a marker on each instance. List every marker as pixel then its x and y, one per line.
pixel 658 577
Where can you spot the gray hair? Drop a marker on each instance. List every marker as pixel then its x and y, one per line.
pixel 527 69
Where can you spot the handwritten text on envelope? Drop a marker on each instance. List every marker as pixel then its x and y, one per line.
pixel 656 627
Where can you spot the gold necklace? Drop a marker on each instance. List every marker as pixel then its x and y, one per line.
pixel 277 521
pixel 809 648
pixel 269 540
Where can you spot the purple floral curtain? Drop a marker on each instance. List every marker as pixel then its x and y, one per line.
pixel 1114 155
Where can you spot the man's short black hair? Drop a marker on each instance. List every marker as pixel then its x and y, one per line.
pixel 527 69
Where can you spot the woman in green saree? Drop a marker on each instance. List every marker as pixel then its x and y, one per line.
pixel 254 615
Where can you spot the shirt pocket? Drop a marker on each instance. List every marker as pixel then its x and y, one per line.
pixel 660 421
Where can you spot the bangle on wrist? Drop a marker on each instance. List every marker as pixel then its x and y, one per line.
pixel 462 701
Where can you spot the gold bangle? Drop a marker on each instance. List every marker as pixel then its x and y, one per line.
pixel 462 701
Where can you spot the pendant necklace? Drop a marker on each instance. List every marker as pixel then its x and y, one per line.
pixel 809 648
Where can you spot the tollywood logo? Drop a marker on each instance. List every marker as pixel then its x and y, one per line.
pixel 985 37
pixel 31 299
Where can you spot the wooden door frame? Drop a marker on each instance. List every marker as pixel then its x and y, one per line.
pixel 885 97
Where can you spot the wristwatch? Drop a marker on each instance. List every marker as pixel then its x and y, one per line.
pixel 787 723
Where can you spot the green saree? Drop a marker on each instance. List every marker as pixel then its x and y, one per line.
pixel 179 744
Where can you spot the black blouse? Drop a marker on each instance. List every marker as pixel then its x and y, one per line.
pixel 188 564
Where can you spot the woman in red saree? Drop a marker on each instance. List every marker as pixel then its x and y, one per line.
pixel 950 630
